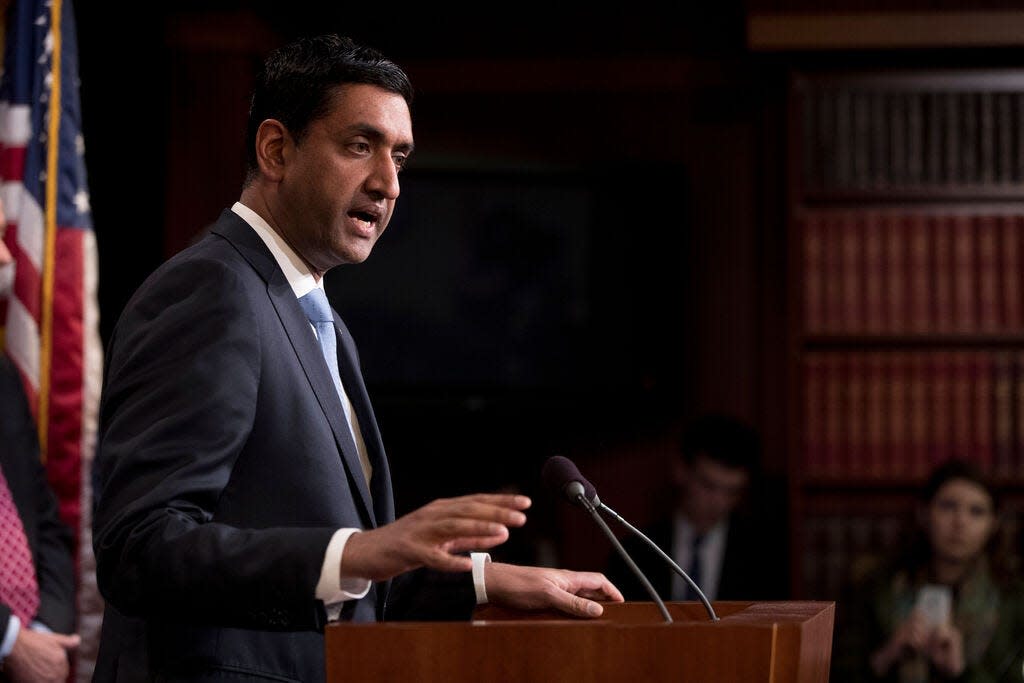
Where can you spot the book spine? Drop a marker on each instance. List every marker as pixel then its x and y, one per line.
pixel 1002 395
pixel 988 274
pixel 920 284
pixel 896 274
pixel 961 413
pixel 814 275
pixel 943 270
pixel 815 411
pixel 940 433
pixel 898 401
pixel 963 275
pixel 852 278
pixel 854 462
pixel 874 460
pixel 1009 276
pixel 982 404
pixel 833 381
pixel 874 275
pixel 918 460
pixel 833 321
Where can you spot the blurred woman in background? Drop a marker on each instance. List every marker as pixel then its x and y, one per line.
pixel 947 609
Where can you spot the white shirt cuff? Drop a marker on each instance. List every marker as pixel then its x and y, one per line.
pixel 479 560
pixel 7 644
pixel 330 588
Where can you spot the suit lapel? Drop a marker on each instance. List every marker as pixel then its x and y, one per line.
pixel 304 343
pixel 312 359
pixel 352 378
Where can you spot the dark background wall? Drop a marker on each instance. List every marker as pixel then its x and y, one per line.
pixel 588 251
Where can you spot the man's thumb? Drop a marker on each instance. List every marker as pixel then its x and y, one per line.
pixel 68 642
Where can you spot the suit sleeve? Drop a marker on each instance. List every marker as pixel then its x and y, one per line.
pixel 55 570
pixel 179 403
pixel 429 595
pixel 49 537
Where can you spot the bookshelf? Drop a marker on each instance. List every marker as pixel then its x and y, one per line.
pixel 906 237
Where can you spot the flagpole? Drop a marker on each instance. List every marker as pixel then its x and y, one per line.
pixel 50 213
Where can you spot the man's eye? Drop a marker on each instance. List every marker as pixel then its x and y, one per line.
pixel 360 147
pixel 400 160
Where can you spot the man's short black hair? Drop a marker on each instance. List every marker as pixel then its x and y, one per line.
pixel 299 79
pixel 723 438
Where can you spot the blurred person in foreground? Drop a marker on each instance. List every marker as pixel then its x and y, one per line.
pixel 947 607
pixel 37 579
pixel 244 497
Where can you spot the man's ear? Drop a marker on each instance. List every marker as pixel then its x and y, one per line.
pixel 272 138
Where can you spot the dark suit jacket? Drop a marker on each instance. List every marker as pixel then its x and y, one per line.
pixel 225 467
pixel 48 537
pixel 753 566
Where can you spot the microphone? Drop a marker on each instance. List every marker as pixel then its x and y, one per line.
pixel 562 477
pixel 558 475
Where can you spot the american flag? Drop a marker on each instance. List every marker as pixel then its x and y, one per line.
pixel 51 321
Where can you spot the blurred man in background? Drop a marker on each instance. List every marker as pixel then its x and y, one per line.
pixel 727 552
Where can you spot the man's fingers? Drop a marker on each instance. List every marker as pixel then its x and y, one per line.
pixel 474 509
pixel 608 596
pixel 456 530
pixel 595 585
pixel 459 545
pixel 576 605
pixel 505 500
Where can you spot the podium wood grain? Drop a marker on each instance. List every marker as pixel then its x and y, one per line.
pixel 773 642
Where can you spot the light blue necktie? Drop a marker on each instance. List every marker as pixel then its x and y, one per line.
pixel 315 306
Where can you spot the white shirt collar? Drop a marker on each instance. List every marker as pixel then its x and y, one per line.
pixel 299 276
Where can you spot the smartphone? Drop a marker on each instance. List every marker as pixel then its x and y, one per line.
pixel 935 603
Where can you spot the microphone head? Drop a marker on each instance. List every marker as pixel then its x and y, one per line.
pixel 558 472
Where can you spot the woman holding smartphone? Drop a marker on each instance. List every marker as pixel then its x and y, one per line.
pixel 947 609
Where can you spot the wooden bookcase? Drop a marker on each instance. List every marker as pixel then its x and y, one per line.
pixel 906 237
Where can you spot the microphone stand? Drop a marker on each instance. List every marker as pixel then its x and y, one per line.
pixel 586 504
pixel 653 545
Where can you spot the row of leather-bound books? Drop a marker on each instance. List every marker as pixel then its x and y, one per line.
pixel 912 271
pixel 885 136
pixel 895 414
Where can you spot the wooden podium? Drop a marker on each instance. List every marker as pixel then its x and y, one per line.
pixel 774 642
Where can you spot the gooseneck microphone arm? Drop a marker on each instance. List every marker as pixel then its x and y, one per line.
pixel 575 492
pixel 696 589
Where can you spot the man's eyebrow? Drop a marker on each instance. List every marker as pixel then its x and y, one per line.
pixel 377 135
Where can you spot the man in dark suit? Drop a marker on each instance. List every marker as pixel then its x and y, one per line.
pixel 37 615
pixel 244 494
pixel 730 553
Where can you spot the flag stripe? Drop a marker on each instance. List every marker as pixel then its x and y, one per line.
pixel 23 211
pixel 15 124
pixel 22 340
pixel 65 426
pixel 26 277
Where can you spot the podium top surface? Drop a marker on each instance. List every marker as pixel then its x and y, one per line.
pixel 729 613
